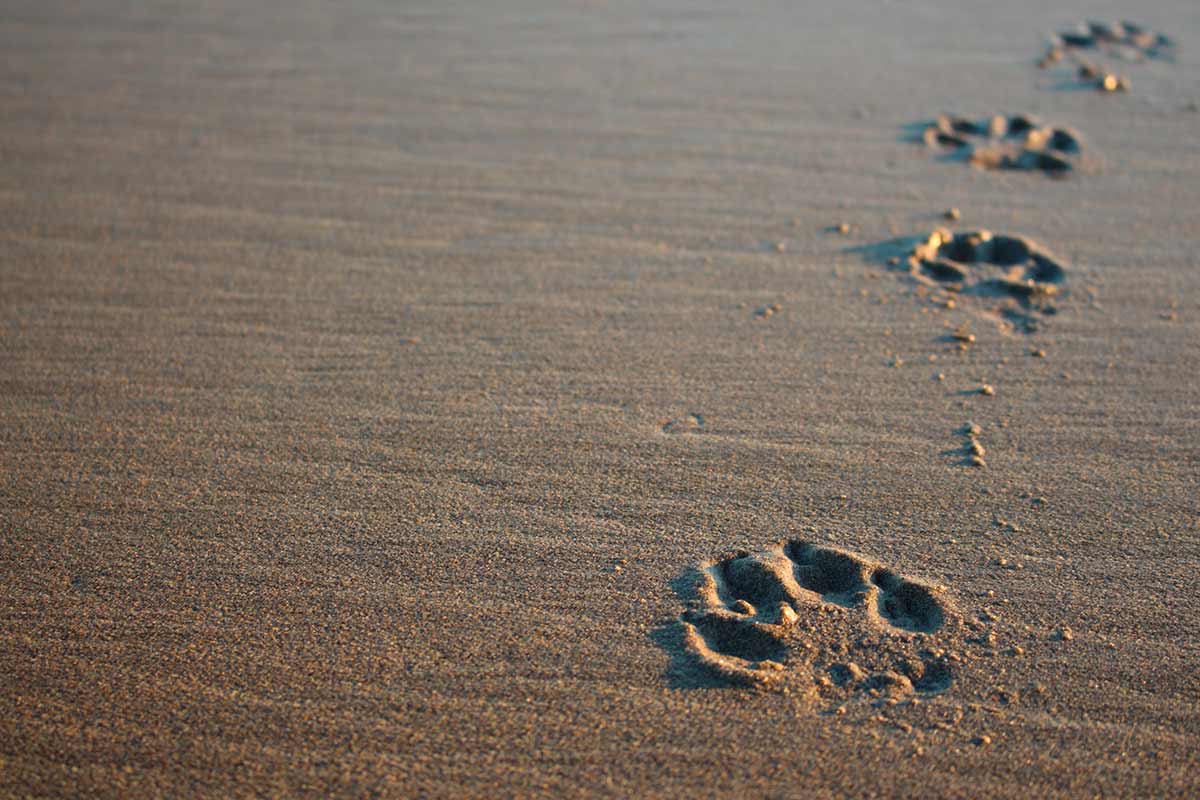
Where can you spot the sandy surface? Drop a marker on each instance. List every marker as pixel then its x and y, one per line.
pixel 375 376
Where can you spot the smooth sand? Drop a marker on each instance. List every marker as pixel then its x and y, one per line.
pixel 339 340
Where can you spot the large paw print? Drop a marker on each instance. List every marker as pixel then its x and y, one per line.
pixel 1006 142
pixel 1124 41
pixel 819 619
pixel 1023 279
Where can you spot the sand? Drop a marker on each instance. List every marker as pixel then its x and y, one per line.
pixel 377 379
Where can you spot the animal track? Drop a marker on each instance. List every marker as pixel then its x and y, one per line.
pixel 819 619
pixel 1123 40
pixel 981 264
pixel 1012 142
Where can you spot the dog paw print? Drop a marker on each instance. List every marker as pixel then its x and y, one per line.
pixel 1016 142
pixel 1123 41
pixel 823 620
pixel 1022 281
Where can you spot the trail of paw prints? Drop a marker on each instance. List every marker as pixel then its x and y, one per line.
pixel 1126 41
pixel 1016 142
pixel 1009 276
pixel 817 620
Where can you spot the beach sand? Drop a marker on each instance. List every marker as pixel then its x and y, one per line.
pixel 378 379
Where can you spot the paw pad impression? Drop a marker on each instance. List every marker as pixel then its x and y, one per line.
pixel 1007 142
pixel 819 618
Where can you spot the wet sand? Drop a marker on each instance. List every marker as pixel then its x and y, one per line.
pixel 377 376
